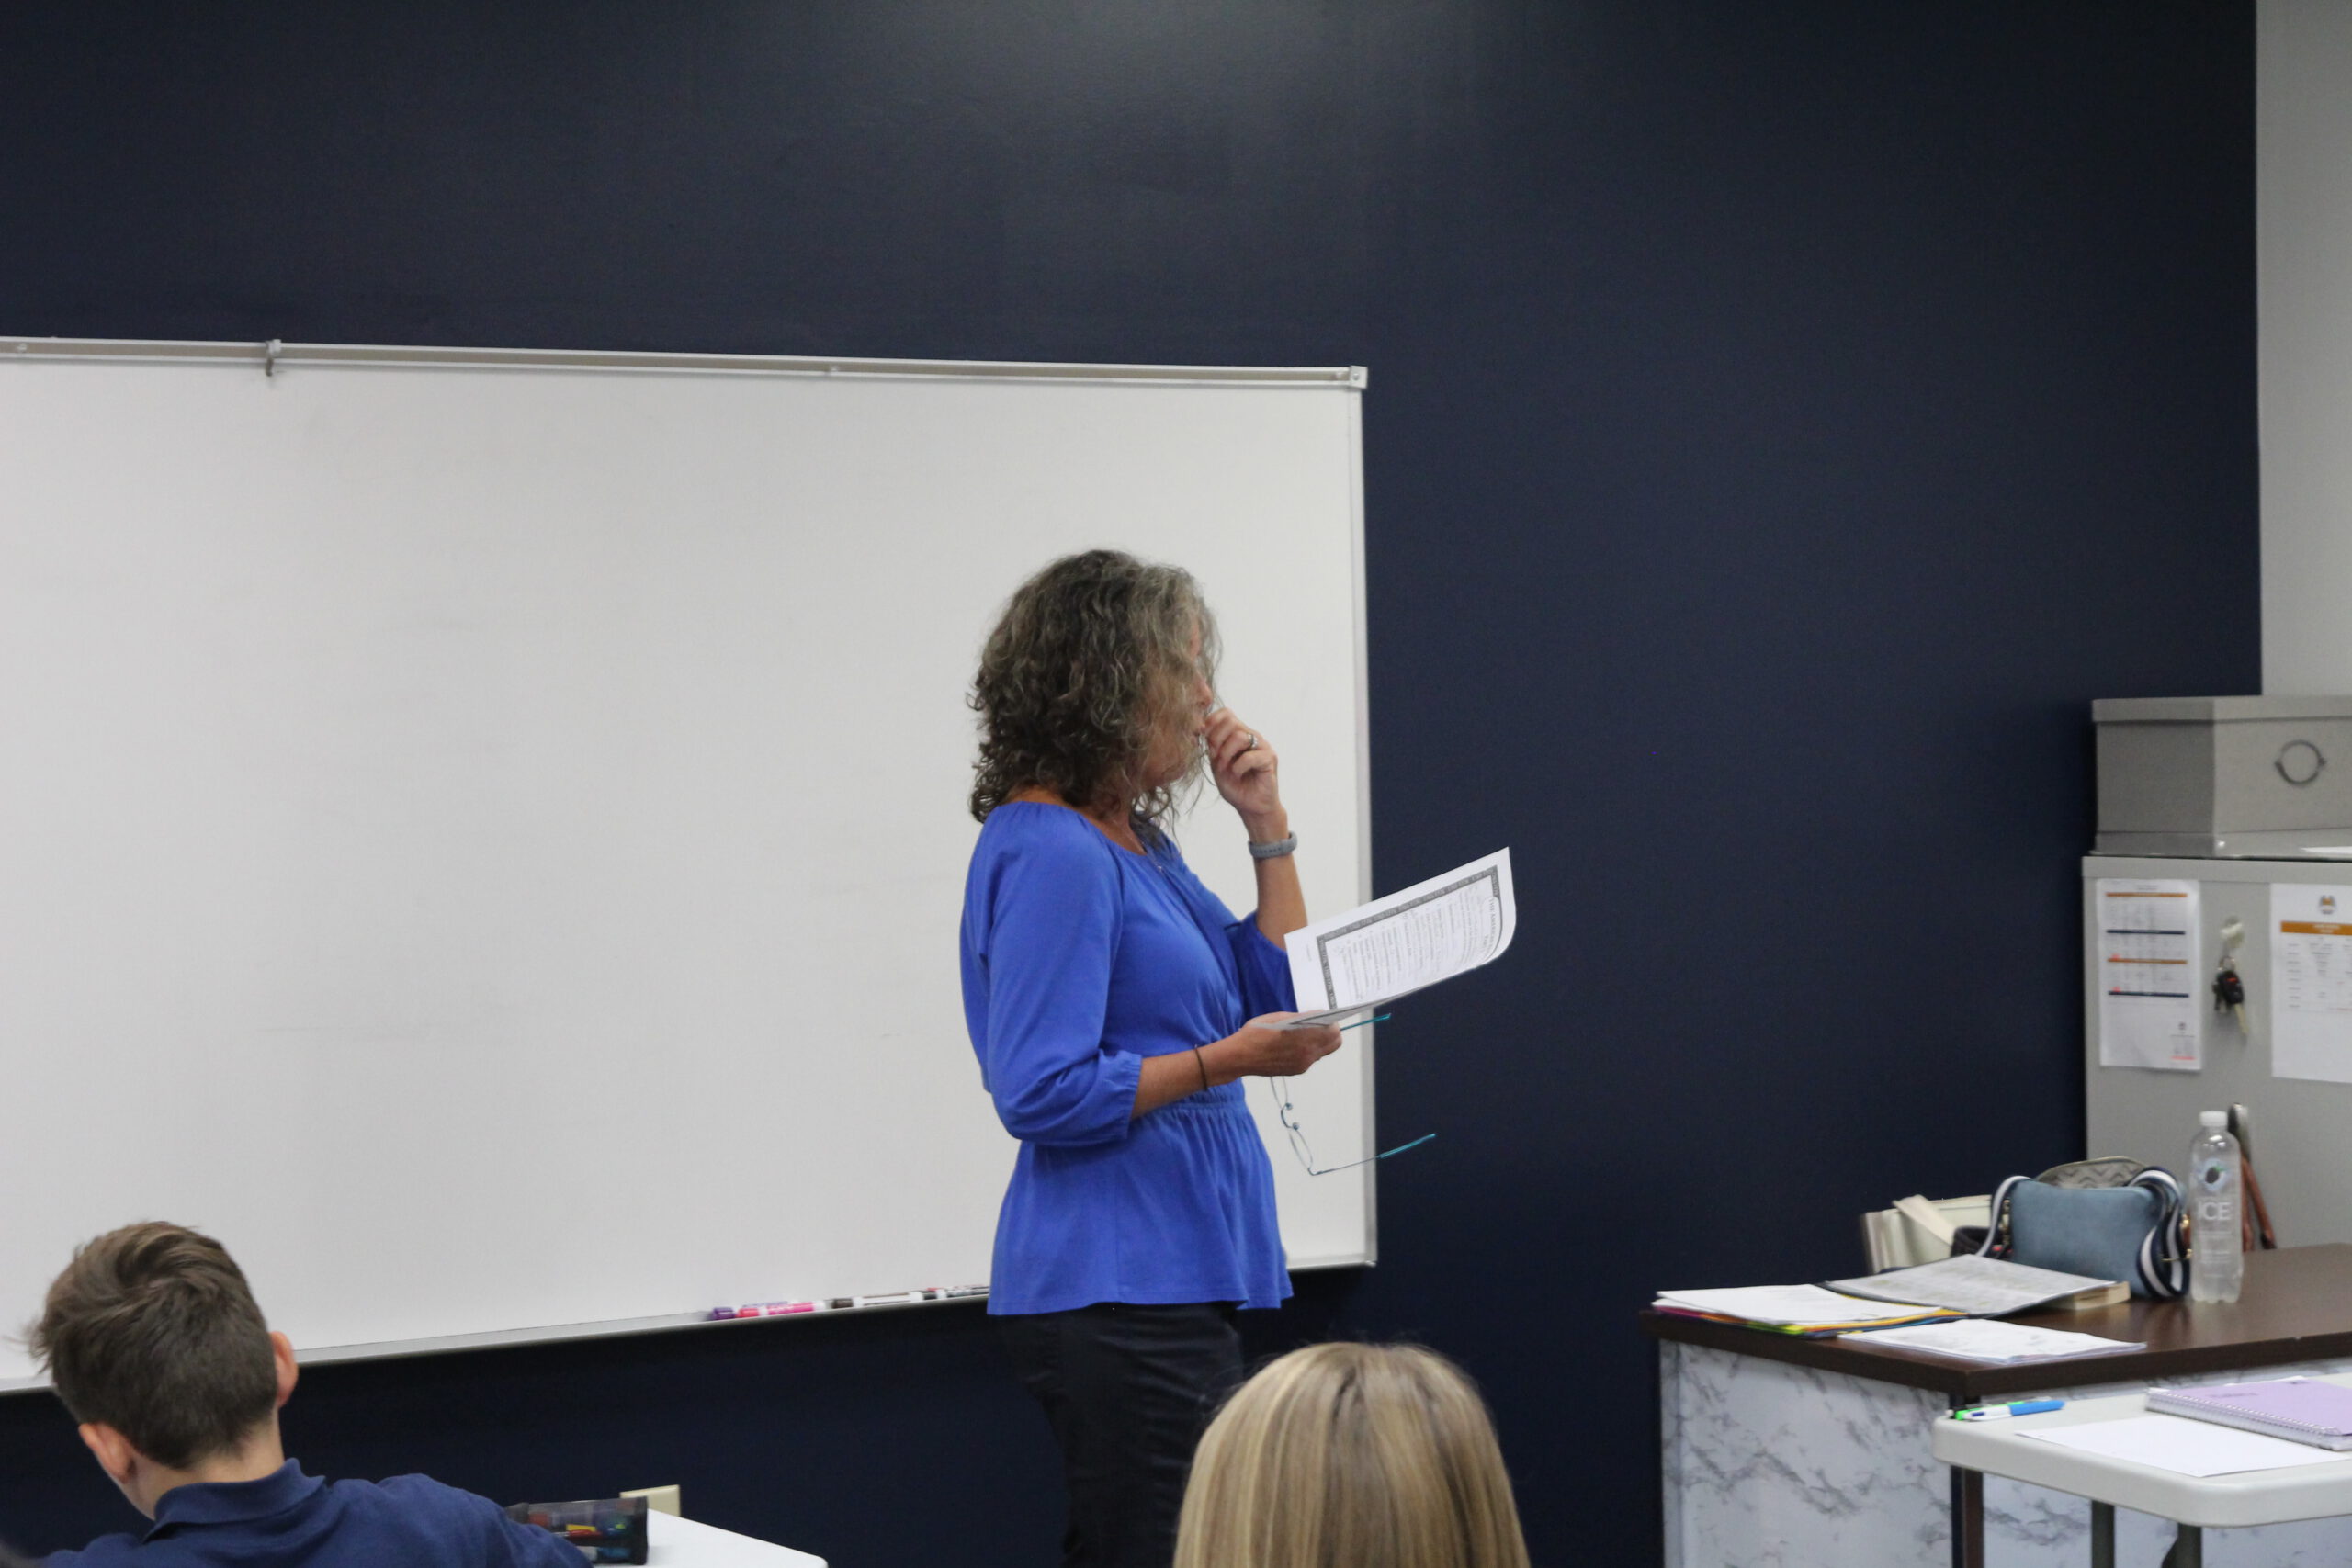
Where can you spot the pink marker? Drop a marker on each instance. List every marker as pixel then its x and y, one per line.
pixel 778 1309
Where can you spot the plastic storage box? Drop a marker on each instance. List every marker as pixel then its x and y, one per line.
pixel 2251 776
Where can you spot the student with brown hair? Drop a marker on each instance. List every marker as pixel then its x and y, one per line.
pixel 152 1340
pixel 1373 1456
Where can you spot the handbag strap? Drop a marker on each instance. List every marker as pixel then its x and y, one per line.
pixel 2164 1262
pixel 1996 1223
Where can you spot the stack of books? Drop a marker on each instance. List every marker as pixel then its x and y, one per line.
pixel 1986 1287
pixel 1807 1310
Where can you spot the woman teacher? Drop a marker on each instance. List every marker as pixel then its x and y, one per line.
pixel 1115 1004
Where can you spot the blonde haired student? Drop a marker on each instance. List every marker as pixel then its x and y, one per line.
pixel 1373 1456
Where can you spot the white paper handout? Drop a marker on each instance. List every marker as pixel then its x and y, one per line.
pixel 2148 978
pixel 1783 1305
pixel 2310 982
pixel 1393 947
pixel 1984 1339
pixel 2184 1447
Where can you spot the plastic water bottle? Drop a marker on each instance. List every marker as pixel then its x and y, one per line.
pixel 2216 1267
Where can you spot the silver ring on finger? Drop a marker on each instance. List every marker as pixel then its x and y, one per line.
pixel 1251 744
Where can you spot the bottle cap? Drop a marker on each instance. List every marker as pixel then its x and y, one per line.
pixel 2212 1118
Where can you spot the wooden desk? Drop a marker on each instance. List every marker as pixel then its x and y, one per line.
pixel 1828 1439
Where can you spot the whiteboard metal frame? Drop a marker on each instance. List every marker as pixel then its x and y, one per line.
pixel 275 355
pixel 1369 1170
pixel 506 1338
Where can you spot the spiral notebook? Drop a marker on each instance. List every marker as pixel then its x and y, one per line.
pixel 2303 1410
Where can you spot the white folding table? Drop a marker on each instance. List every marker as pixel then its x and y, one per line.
pixel 673 1542
pixel 2195 1503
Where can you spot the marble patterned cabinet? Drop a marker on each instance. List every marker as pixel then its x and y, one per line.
pixel 1781 1453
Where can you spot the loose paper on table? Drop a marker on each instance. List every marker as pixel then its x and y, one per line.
pixel 2310 982
pixel 2184 1447
pixel 1393 947
pixel 2148 979
pixel 1979 1340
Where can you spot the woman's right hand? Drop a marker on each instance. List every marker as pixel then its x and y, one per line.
pixel 1260 1048
pixel 1263 1048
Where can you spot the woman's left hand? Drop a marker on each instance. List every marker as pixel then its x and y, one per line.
pixel 1247 771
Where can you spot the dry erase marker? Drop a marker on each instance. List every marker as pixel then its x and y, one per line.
pixel 2002 1411
pixel 895 1298
pixel 954 1291
pixel 778 1309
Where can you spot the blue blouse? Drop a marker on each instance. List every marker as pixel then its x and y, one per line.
pixel 1080 959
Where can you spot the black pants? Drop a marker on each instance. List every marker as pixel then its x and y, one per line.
pixel 1127 1390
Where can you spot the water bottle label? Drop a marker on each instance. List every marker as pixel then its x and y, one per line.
pixel 2211 1174
pixel 2216 1210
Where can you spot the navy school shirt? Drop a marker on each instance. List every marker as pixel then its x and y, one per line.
pixel 288 1520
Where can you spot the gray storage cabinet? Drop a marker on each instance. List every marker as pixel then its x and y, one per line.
pixel 2302 1129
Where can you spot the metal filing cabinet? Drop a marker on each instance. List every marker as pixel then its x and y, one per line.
pixel 2235 794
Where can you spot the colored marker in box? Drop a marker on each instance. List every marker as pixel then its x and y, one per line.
pixel 605 1529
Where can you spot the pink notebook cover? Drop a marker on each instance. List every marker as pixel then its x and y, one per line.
pixel 2303 1406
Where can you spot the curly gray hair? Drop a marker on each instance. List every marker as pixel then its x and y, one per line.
pixel 1091 663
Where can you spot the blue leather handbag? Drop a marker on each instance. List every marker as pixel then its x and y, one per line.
pixel 2130 1232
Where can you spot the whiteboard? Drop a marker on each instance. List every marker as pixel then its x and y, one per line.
pixel 482 833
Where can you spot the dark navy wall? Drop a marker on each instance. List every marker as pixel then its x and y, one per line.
pixel 1783 420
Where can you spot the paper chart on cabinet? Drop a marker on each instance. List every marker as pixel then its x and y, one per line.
pixel 2148 1014
pixel 1412 938
pixel 2310 982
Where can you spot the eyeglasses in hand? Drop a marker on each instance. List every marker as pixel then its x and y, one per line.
pixel 1298 1144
